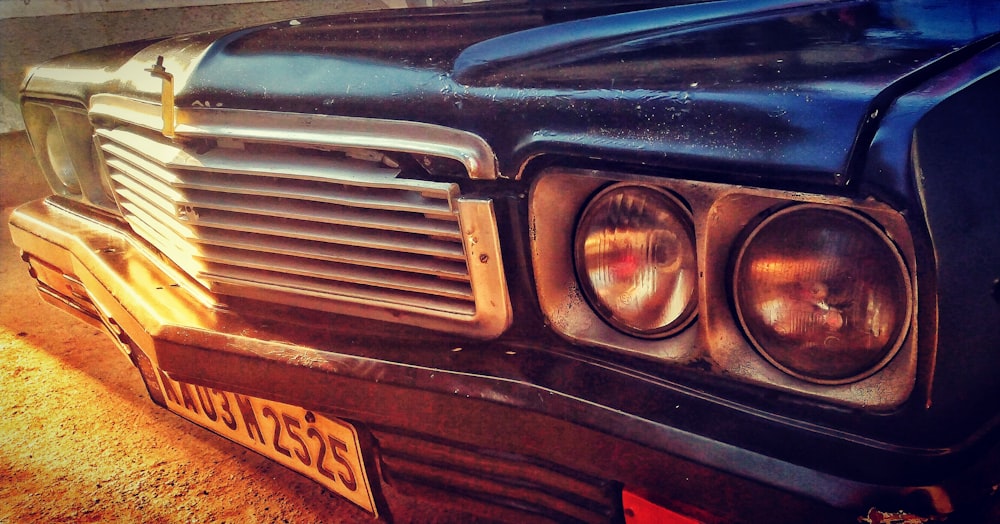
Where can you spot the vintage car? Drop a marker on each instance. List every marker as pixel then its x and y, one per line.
pixel 727 261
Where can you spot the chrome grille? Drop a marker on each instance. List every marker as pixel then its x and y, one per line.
pixel 307 226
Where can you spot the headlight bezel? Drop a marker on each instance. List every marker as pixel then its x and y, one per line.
pixel 714 342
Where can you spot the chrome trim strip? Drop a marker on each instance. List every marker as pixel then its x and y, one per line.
pixel 310 130
pixel 482 250
pixel 138 112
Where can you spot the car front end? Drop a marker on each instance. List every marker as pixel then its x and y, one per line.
pixel 717 262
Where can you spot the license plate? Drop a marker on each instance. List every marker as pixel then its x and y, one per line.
pixel 324 449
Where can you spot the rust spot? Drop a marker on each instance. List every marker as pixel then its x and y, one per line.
pixel 876 516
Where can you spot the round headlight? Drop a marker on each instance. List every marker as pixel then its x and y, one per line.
pixel 822 293
pixel 59 159
pixel 635 260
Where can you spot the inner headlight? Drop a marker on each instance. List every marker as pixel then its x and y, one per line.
pixel 635 260
pixel 822 293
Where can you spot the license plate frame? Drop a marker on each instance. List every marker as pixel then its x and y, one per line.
pixel 325 449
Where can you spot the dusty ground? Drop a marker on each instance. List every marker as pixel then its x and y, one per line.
pixel 80 441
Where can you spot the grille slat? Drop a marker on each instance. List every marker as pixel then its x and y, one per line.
pixel 284 289
pixel 218 257
pixel 146 196
pixel 127 177
pixel 307 190
pixel 136 164
pixel 310 231
pixel 253 243
pixel 137 142
pixel 178 245
pixel 217 204
pixel 153 219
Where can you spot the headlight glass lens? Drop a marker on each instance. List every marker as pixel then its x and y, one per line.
pixel 59 158
pixel 822 293
pixel 61 137
pixel 635 260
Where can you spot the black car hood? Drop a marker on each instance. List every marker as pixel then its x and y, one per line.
pixel 762 89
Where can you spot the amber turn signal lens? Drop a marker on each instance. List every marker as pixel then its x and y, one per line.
pixel 635 260
pixel 822 293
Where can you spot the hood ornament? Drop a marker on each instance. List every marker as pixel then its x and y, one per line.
pixel 166 95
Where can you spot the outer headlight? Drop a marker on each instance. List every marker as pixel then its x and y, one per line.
pixel 635 260
pixel 822 293
pixel 51 149
pixel 63 143
pixel 59 160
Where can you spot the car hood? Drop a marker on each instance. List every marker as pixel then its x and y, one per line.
pixel 766 90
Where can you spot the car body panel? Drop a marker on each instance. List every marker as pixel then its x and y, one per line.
pixel 835 64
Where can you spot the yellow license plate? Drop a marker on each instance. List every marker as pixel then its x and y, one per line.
pixel 324 449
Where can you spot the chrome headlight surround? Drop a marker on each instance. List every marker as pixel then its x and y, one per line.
pixel 723 215
pixel 62 137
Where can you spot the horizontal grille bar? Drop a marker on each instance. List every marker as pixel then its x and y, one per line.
pixel 302 178
pixel 227 261
pixel 250 243
pixel 215 231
